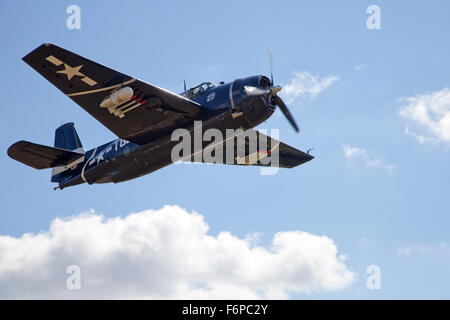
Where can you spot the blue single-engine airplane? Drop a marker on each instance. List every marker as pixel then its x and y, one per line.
pixel 143 116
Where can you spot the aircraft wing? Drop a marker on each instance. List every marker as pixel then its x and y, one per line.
pixel 263 153
pixel 140 113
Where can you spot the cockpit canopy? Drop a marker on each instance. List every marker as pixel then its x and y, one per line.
pixel 198 90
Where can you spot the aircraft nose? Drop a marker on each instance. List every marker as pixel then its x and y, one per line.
pixel 245 92
pixel 268 91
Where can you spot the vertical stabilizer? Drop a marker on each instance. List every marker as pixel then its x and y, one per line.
pixel 66 138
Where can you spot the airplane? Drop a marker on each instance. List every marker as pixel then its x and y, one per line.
pixel 143 116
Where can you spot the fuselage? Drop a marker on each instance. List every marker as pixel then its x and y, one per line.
pixel 227 106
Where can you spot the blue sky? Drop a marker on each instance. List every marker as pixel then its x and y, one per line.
pixel 397 219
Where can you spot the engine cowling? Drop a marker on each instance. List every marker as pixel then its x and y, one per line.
pixel 255 108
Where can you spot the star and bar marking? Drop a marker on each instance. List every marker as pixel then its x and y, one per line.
pixel 69 71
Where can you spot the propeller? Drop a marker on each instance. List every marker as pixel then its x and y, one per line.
pixel 286 112
pixel 271 94
pixel 278 101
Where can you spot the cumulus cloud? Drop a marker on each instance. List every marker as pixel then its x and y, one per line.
pixel 306 85
pixel 353 153
pixel 165 253
pixel 429 114
pixel 440 249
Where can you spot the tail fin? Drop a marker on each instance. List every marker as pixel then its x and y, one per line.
pixel 66 138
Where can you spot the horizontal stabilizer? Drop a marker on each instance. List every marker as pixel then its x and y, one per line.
pixel 41 157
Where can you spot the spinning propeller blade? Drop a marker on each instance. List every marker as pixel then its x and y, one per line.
pixel 269 51
pixel 273 92
pixel 286 112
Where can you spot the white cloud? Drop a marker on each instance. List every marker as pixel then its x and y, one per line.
pixel 359 67
pixel 166 253
pixel 430 114
pixel 306 85
pixel 352 153
pixel 441 249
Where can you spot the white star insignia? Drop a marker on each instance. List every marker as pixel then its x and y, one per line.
pixel 100 157
pixel 71 72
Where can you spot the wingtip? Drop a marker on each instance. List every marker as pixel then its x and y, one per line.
pixel 46 44
pixel 12 148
